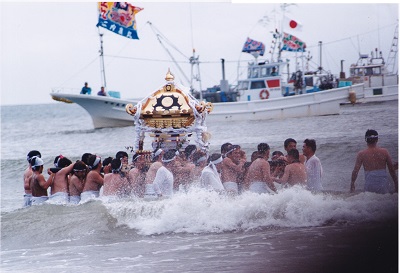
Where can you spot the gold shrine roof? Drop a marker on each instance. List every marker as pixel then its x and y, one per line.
pixel 167 107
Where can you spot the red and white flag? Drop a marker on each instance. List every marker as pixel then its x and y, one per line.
pixel 291 24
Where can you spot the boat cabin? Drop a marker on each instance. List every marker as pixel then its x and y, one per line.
pixel 372 71
pixel 263 81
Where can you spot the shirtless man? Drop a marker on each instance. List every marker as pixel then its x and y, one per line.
pixel 94 180
pixel 225 148
pixel 200 161
pixel 59 181
pixel 295 173
pixel 258 176
pixel 37 183
pixel 210 176
pixel 374 159
pixel 106 165
pixel 290 144
pixel 123 156
pixel 189 151
pixel 115 182
pixel 183 173
pixel 137 175
pixel 27 174
pixel 77 182
pixel 232 167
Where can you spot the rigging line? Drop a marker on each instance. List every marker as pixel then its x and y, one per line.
pixel 74 75
pixel 365 33
pixel 169 61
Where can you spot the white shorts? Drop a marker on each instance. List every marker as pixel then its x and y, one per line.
pixel 88 195
pixel 75 199
pixel 60 198
pixel 39 200
pixel 27 200
pixel 231 187
pixel 258 187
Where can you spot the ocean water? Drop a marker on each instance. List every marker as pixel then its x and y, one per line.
pixel 292 231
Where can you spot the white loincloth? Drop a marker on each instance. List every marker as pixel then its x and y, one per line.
pixel 27 200
pixel 376 181
pixel 88 195
pixel 59 198
pixel 258 187
pixel 75 199
pixel 39 200
pixel 231 187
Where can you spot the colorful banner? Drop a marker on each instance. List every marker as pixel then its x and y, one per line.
pixel 118 17
pixel 292 43
pixel 252 46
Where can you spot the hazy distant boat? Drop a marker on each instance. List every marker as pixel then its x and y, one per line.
pixel 380 84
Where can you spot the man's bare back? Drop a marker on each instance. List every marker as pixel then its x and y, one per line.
pixel 114 184
pixel 94 181
pixel 375 158
pixel 295 174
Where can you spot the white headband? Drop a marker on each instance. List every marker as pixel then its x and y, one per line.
pixel 38 161
pixel 168 160
pixel 117 170
pixel 96 162
pixel 158 152
pixel 58 161
pixel 216 161
pixel 201 159
pixel 230 151
pixel 136 158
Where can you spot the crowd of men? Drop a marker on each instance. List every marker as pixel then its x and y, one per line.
pixel 171 171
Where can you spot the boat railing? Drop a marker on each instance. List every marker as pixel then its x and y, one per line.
pixel 67 90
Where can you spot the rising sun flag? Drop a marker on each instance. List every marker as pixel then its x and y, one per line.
pixel 118 17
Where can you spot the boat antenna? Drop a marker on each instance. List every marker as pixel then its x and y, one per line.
pixel 320 57
pixel 103 71
pixel 194 61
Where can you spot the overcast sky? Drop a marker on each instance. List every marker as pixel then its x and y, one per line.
pixel 55 45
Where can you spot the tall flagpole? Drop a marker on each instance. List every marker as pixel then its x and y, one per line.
pixel 103 71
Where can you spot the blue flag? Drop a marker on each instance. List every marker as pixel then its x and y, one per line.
pixel 251 46
pixel 118 17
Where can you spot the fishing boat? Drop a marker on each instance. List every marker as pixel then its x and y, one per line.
pixel 263 94
pixel 380 84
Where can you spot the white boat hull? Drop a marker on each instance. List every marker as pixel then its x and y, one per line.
pixel 110 112
pixel 313 104
pixel 383 93
pixel 105 111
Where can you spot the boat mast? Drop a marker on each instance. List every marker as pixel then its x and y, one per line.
pixel 103 72
pixel 194 61
pixel 320 57
pixel 391 60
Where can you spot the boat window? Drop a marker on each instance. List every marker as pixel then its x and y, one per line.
pixel 368 71
pixel 249 73
pixel 274 71
pixel 376 70
pixel 264 72
pixel 243 85
pixel 255 73
pixel 257 84
pixel 309 81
